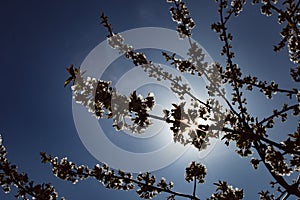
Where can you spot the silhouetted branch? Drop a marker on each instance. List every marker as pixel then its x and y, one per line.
pixel 195 187
pixel 278 178
pixel 239 125
pixel 9 176
pixel 147 189
pixel 278 113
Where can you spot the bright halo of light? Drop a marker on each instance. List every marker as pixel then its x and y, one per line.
pixel 90 131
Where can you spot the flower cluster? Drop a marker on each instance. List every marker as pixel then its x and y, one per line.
pixel 196 56
pixel 140 107
pixel 254 162
pixel 186 126
pixel 276 160
pixel 225 191
pixel 94 94
pixel 195 171
pixel 265 195
pixel 117 42
pixel 181 15
pixel 148 190
pixel 237 6
pixel 102 100
pixel 292 145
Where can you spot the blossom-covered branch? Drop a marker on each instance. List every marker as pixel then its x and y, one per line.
pixel 9 176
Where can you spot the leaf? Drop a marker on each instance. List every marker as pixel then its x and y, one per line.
pixel 73 72
pixel 68 81
pixel 201 133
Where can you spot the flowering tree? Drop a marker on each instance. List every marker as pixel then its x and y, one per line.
pixel 230 122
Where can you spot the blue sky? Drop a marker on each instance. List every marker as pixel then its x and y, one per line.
pixel 39 39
